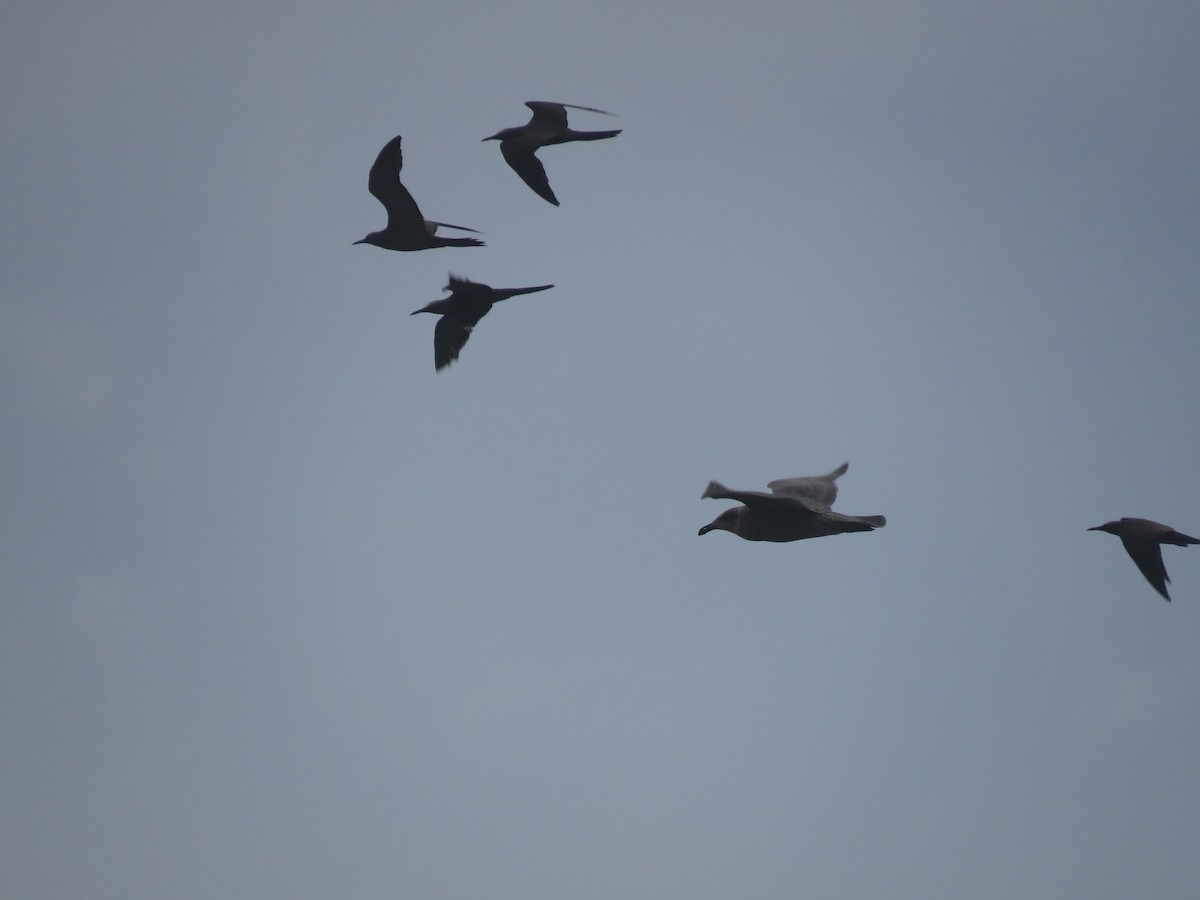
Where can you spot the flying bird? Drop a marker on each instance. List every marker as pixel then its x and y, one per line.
pixel 469 301
pixel 1143 540
pixel 796 508
pixel 406 228
pixel 548 125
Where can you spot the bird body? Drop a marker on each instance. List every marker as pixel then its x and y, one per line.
pixel 469 301
pixel 1143 540
pixel 548 125
pixel 406 228
pixel 796 509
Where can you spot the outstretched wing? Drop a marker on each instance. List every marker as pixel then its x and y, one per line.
pixel 820 489
pixel 759 502
pixel 518 153
pixel 1148 557
pixel 554 115
pixel 457 283
pixel 449 337
pixel 384 185
pixel 548 115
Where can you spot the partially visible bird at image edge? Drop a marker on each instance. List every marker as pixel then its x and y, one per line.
pixel 1143 540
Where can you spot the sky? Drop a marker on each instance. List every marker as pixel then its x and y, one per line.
pixel 286 613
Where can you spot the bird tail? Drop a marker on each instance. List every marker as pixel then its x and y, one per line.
pixel 513 292
pixel 593 135
pixel 460 242
pixel 1179 539
pixel 714 489
pixel 437 225
pixel 875 521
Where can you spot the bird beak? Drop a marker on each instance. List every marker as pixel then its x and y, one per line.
pixel 1097 528
pixel 705 530
pixel 363 241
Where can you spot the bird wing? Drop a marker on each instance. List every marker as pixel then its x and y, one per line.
pixel 548 115
pixel 814 489
pixel 821 489
pixel 384 185
pixel 546 112
pixel 1148 557
pixel 519 154
pixel 759 502
pixel 458 283
pixel 449 337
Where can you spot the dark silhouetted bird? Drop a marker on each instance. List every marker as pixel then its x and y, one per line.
pixel 1143 540
pixel 406 228
pixel 796 508
pixel 468 302
pixel 547 126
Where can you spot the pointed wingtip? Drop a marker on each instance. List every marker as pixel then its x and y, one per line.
pixel 603 112
pixel 455 227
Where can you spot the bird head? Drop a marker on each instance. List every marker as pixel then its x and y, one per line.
pixel 726 521
pixel 1110 527
pixel 503 134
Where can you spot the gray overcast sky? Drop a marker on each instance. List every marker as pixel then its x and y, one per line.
pixel 287 614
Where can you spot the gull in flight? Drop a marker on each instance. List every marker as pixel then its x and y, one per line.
pixel 796 508
pixel 548 125
pixel 406 228
pixel 1143 540
pixel 469 301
